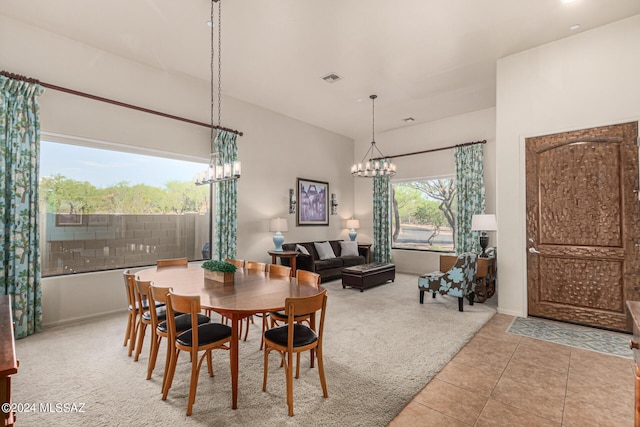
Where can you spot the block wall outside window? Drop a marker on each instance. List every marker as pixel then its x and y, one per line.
pixel 100 213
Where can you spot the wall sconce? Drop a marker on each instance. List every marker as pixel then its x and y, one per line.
pixel 292 201
pixel 334 204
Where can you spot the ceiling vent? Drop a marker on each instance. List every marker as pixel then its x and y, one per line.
pixel 331 78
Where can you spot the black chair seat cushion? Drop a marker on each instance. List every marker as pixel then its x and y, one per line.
pixel 302 335
pixel 207 333
pixel 280 315
pixel 183 322
pixel 161 312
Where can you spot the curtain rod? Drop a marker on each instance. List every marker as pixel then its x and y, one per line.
pixel 113 102
pixel 484 141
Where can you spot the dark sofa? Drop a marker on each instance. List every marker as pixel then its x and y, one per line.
pixel 328 269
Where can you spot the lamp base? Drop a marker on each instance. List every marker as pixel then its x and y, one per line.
pixel 484 241
pixel 352 234
pixel 278 240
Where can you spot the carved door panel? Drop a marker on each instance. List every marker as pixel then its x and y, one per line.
pixel 583 225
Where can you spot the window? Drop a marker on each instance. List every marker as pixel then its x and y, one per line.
pixel 423 214
pixel 103 209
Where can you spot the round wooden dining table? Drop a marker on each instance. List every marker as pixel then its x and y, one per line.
pixel 251 292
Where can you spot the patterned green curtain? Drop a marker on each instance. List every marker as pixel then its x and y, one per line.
pixel 470 195
pixel 20 150
pixel 226 200
pixel 381 219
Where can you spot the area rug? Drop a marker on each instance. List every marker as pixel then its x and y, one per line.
pixel 381 348
pixel 583 337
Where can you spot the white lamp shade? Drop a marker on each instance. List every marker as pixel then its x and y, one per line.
pixel 484 222
pixel 278 224
pixel 353 223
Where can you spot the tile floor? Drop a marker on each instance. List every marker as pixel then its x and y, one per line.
pixel 502 379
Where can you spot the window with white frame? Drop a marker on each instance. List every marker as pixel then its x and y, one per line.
pixel 103 209
pixel 423 214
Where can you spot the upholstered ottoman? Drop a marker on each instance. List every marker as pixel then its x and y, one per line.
pixel 366 275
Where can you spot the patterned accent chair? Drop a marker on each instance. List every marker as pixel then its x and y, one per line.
pixel 459 281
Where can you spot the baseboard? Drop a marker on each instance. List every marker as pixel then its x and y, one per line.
pixel 81 319
pixel 513 313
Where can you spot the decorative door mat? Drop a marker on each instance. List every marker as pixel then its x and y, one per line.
pixel 613 343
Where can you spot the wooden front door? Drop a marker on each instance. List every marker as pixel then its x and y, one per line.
pixel 583 225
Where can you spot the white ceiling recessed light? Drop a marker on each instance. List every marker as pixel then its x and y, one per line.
pixel 210 24
pixel 331 78
pixel 574 27
pixel 409 120
pixel 566 1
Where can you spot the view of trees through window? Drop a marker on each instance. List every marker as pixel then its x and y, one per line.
pixel 104 209
pixel 423 214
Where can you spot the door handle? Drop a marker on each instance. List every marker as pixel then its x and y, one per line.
pixel 533 250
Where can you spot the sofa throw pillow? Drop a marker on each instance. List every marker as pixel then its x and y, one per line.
pixel 349 248
pixel 325 251
pixel 302 249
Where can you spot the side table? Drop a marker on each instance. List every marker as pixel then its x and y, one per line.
pixel 366 246
pixel 291 255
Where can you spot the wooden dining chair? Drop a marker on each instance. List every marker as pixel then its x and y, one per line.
pixel 237 262
pixel 206 337
pixel 144 318
pixel 159 295
pixel 294 337
pixel 142 296
pixel 258 266
pixel 240 263
pixel 253 266
pixel 134 311
pixel 172 262
pixel 279 270
pixel 303 278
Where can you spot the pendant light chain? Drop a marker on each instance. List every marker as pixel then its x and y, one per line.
pixel 373 120
pixel 213 148
pixel 219 168
pixel 219 62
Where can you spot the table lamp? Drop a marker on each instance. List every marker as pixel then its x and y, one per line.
pixel 353 224
pixel 278 225
pixel 484 223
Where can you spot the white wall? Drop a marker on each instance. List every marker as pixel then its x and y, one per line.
pixel 274 151
pixel 474 126
pixel 590 79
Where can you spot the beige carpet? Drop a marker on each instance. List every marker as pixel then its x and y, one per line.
pixel 381 348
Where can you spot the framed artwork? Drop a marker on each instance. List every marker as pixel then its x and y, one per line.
pixel 313 202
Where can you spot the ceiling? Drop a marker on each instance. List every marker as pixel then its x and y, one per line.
pixel 426 59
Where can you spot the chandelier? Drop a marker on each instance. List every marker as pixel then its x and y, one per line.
pixel 219 169
pixel 378 166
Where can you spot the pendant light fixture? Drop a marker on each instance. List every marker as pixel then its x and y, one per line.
pixel 220 169
pixel 374 166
